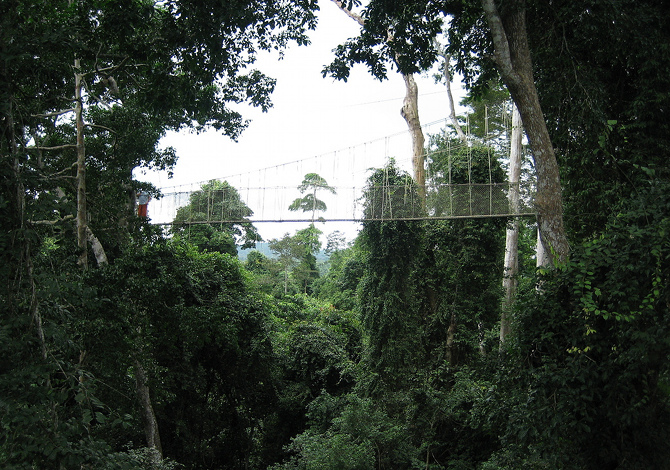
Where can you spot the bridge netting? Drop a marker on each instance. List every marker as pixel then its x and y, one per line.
pixel 382 202
pixel 458 190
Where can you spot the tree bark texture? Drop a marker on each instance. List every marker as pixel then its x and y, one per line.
pixel 409 112
pixel 512 236
pixel 146 409
pixel 512 57
pixel 82 236
pixel 98 250
pixel 452 109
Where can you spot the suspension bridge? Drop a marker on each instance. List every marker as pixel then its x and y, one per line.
pixel 455 191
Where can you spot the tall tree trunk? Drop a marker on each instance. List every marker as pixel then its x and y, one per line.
pixel 452 109
pixel 409 112
pixel 147 411
pixel 512 235
pixel 15 193
pixel 512 57
pixel 82 235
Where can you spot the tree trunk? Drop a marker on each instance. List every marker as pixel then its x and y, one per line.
pixel 148 417
pixel 512 57
pixel 410 112
pixel 98 250
pixel 82 236
pixel 512 235
pixel 452 109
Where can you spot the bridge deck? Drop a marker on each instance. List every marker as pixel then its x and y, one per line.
pixel 383 203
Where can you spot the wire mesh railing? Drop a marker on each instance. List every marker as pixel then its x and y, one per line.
pixel 382 202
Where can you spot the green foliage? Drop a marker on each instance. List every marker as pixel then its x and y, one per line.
pixel 490 116
pixel 390 194
pixel 336 241
pixel 309 202
pixel 612 73
pixel 317 348
pixel 267 275
pixel 297 257
pixel 393 363
pixel 188 317
pixel 359 435
pixel 590 365
pixel 339 285
pixel 50 405
pixel 607 69
pixel 216 219
pixel 389 308
pixel 372 48
pixel 462 264
pixel 429 296
pixel 455 175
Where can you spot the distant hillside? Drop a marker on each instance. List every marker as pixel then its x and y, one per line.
pixel 264 248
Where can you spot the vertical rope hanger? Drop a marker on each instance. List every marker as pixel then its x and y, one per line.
pixel 190 216
pixel 469 154
pixel 259 190
pixel 386 192
pixel 354 170
pixel 488 152
pixel 223 203
pixel 210 205
pixel 277 191
pixel 451 188
pixel 264 179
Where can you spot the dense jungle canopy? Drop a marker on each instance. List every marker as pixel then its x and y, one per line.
pixel 123 346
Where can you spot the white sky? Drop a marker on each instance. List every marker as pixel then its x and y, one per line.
pixel 312 116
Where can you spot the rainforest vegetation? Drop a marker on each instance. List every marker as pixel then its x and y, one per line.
pixel 126 346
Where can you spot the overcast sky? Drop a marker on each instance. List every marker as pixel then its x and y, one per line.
pixel 311 116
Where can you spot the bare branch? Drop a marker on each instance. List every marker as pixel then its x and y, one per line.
pixel 107 77
pixel 356 17
pixel 59 173
pixel 55 147
pixel 55 113
pixel 100 100
pixel 98 126
pixel 51 222
pixel 452 110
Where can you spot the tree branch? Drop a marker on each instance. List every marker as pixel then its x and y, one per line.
pixel 55 113
pixel 59 173
pixel 98 126
pixel 501 50
pixel 51 222
pixel 452 110
pixel 55 147
pixel 356 17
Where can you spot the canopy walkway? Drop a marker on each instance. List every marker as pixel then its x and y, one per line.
pixel 463 186
pixel 446 201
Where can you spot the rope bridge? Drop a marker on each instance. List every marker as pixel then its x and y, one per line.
pixel 384 202
pixel 462 185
